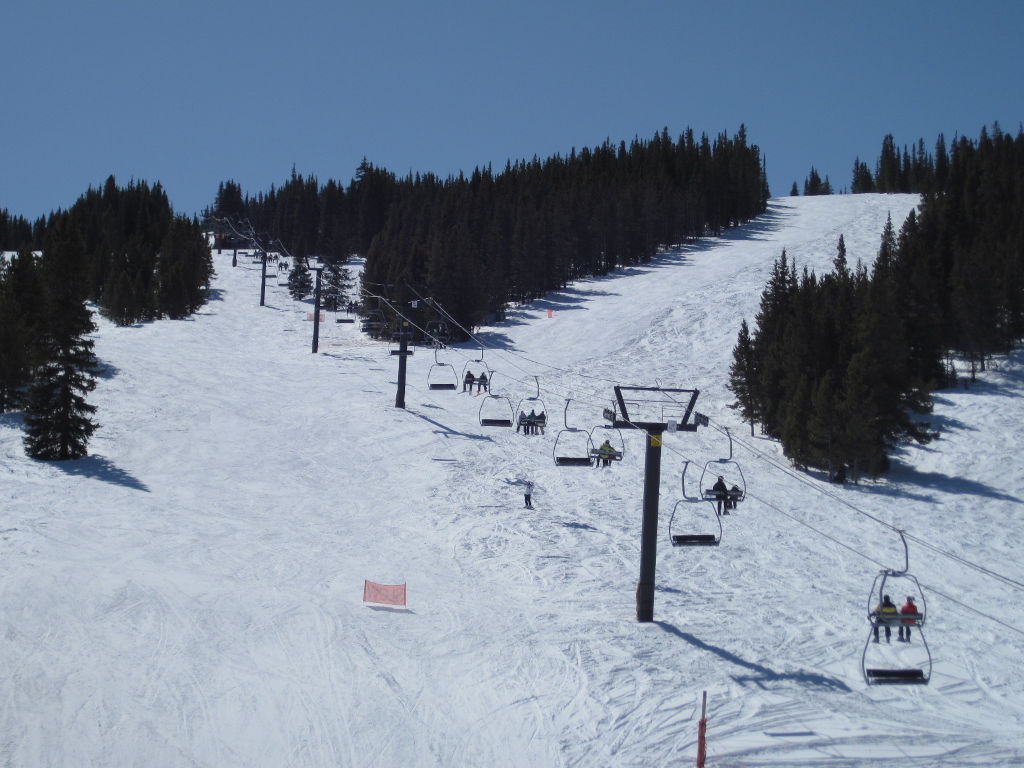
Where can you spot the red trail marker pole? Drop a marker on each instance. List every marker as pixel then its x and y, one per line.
pixel 702 729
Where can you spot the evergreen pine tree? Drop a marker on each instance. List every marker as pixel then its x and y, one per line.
pixel 336 284
pixel 825 427
pixel 300 282
pixel 20 320
pixel 14 352
pixel 862 180
pixel 812 184
pixel 58 421
pixel 743 376
pixel 887 175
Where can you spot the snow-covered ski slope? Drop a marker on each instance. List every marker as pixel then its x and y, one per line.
pixel 191 593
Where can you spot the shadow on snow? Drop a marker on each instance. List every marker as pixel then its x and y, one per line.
pixel 99 468
pixel 445 431
pixel 763 675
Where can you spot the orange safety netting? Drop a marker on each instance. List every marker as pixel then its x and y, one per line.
pixel 390 594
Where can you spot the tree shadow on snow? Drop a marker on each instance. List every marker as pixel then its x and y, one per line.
pixel 939 481
pixel 763 676
pixel 100 468
pixel 106 370
pixel 490 340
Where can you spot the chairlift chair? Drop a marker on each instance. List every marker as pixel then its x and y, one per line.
pixel 496 411
pixel 698 517
pixel 731 473
pixel 442 376
pixel 892 667
pixel 535 404
pixel 905 664
pixel 477 367
pixel 438 332
pixel 606 433
pixel 348 314
pixel 374 322
pixel 573 447
pixel 699 513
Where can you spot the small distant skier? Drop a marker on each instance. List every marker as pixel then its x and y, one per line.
pixel 481 383
pixel 467 383
pixel 528 494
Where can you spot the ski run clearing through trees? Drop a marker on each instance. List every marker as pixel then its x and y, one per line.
pixel 191 593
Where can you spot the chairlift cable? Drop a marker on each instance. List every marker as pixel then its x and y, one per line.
pixel 482 346
pixel 793 475
pixel 880 564
pixel 917 540
pixel 510 353
pixel 765 458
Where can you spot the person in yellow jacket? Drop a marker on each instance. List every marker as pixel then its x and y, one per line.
pixel 883 614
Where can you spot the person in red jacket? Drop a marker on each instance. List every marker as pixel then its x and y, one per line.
pixel 906 624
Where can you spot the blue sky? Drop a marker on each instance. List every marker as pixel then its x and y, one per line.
pixel 194 93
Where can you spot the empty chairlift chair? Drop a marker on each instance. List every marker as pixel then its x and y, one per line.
pixel 442 375
pixel 374 323
pixel 573 447
pixel 496 411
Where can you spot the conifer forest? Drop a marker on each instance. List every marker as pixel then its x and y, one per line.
pixel 839 367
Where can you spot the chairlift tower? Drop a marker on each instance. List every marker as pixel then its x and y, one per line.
pixel 263 276
pixel 654 410
pixel 402 353
pixel 316 307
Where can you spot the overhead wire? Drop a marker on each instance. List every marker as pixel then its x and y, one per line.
pixel 567 393
pixel 867 557
pixel 845 502
pixel 771 461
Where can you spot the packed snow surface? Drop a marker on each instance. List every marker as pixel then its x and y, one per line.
pixel 191 593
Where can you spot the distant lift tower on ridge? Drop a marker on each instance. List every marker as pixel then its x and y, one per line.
pixel 654 411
